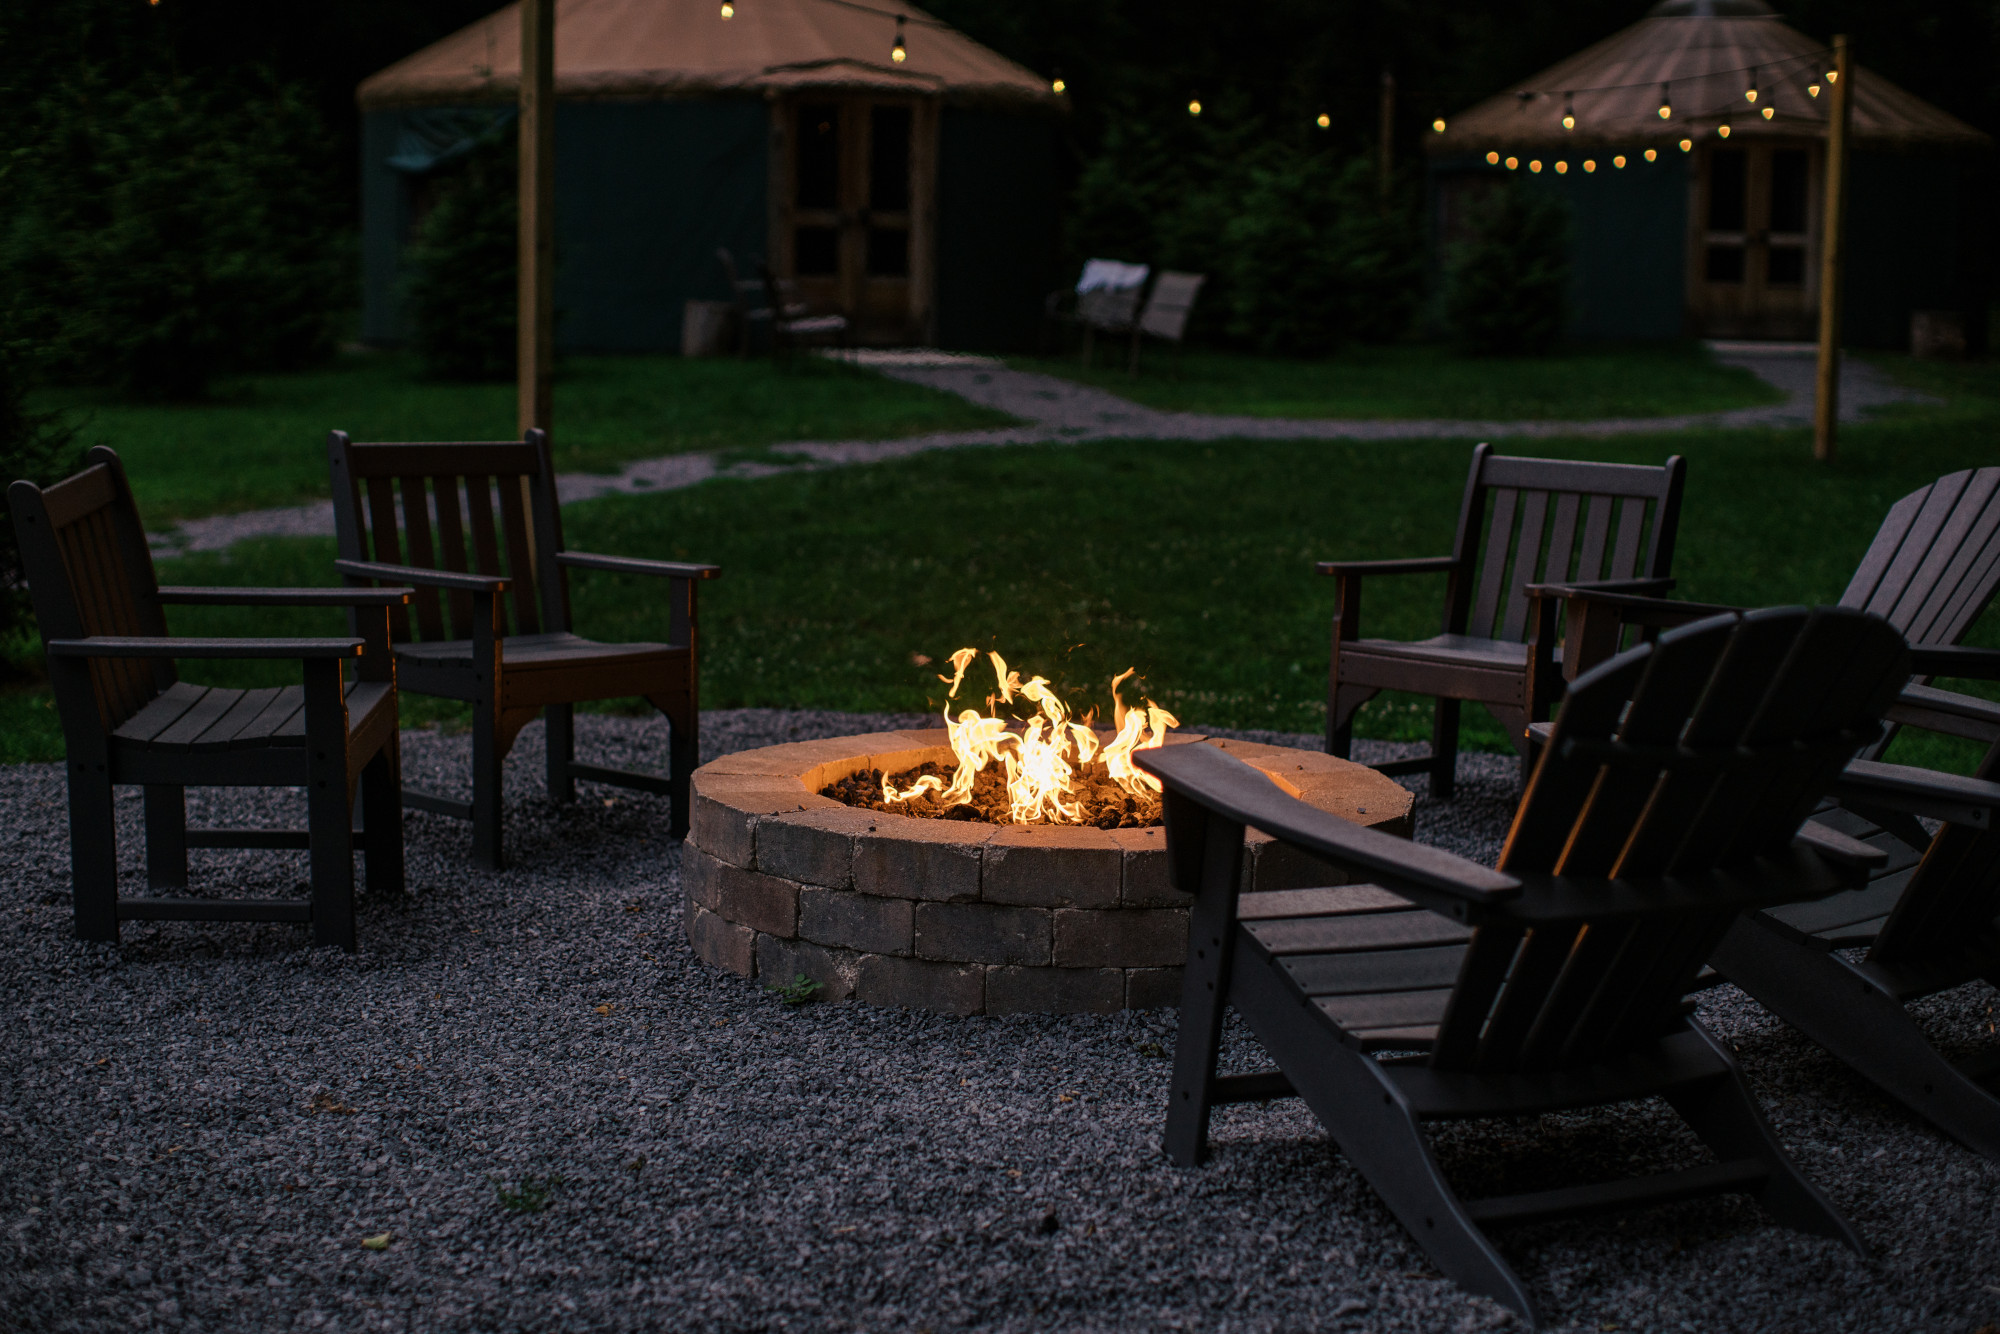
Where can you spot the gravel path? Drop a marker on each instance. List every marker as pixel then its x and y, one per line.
pixel 199 1127
pixel 1056 409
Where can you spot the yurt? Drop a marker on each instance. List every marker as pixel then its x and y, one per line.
pixel 1692 150
pixel 903 174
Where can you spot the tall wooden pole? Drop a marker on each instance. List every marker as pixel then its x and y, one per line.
pixel 1385 152
pixel 1832 255
pixel 537 346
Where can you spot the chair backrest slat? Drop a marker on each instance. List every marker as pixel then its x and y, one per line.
pixel 1696 753
pixel 1935 561
pixel 1565 512
pixel 413 486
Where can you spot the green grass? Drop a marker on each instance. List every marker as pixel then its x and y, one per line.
pixel 261 440
pixel 1422 381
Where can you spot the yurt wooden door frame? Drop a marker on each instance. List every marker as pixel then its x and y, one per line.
pixel 1753 240
pixel 854 206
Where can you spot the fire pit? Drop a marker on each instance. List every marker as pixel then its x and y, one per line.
pixel 958 915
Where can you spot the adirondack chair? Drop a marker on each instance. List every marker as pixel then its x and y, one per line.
pixel 1670 799
pixel 509 670
pixel 129 721
pixel 1550 521
pixel 1168 307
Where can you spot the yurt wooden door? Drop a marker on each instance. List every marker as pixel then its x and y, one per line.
pixel 1754 262
pixel 853 189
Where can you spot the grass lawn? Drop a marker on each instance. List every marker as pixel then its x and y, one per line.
pixel 1373 382
pixel 1190 562
pixel 261 440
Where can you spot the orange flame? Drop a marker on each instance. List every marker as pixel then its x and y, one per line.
pixel 1042 760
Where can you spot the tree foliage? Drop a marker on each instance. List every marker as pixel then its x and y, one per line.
pixel 1507 291
pixel 35 446
pixel 464 307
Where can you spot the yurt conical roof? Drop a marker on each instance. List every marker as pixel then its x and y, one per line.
pixel 1700 58
pixel 633 49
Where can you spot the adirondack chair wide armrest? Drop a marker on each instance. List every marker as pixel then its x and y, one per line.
pixel 1971 664
pixel 1947 712
pixel 583 560
pixel 1806 870
pixel 165 646
pixel 1633 608
pixel 415 574
pixel 178 595
pixel 1941 796
pixel 1427 876
pixel 1418 565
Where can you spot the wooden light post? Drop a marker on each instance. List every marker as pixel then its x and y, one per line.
pixel 1826 399
pixel 535 365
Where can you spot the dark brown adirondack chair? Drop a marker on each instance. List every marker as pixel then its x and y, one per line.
pixel 1611 524
pixel 128 720
pixel 1672 797
pixel 509 657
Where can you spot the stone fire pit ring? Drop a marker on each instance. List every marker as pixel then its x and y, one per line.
pixel 956 916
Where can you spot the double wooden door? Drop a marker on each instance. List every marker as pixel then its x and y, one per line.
pixel 854 189
pixel 1755 248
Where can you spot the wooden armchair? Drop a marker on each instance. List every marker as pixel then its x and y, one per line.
pixel 128 720
pixel 748 302
pixel 425 515
pixel 793 325
pixel 1670 799
pixel 1522 522
pixel 1168 307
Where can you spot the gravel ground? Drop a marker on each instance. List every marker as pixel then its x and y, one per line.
pixel 563 1121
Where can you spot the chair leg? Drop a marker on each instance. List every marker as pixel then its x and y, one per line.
pixel 93 853
pixel 1342 703
pixel 1723 1112
pixel 329 807
pixel 382 819
pixel 166 837
pixel 683 755
pixel 487 759
pixel 1444 751
pixel 1836 1005
pixel 559 723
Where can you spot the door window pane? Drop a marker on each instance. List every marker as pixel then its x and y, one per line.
pixel 815 251
pixel 1788 190
pixel 889 160
pixel 888 252
pixel 1786 266
pixel 1725 263
pixel 1727 195
pixel 818 184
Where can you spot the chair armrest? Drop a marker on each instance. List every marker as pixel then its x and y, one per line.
pixel 1971 664
pixel 414 574
pixel 1806 870
pixel 180 595
pixel 1635 609
pixel 1420 565
pixel 164 646
pixel 583 560
pixel 1946 712
pixel 1899 787
pixel 1634 587
pixel 1427 876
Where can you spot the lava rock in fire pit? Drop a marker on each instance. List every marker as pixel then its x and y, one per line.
pixel 1106 805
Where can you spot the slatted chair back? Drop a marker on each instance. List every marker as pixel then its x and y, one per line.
pixel 1935 561
pixel 1170 304
pixel 474 508
pixel 1692 755
pixel 90 572
pixel 1526 521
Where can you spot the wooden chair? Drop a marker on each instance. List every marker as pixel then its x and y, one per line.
pixel 127 719
pixel 748 301
pixel 1168 307
pixel 1608 524
pixel 792 324
pixel 426 515
pixel 1671 798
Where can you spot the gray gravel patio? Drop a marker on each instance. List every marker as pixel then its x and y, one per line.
pixel 199 1126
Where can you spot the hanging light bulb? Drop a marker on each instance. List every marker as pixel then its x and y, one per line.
pixel 1687 145
pixel 899 53
pixel 1512 163
pixel 1590 164
pixel 1750 93
pixel 1619 162
pixel 1666 101
pixel 1812 90
pixel 1056 85
pixel 1723 129
pixel 1438 125
pixel 1569 111
pixel 1194 106
pixel 1535 166
pixel 1323 120
pixel 1562 168
pixel 728 10
pixel 1768 111
pixel 1652 154
pixel 1833 76
pixel 1493 159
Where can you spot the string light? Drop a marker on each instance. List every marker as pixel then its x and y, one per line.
pixel 1750 94
pixel 1569 111
pixel 1535 166
pixel 1324 120
pixel 1833 76
pixel 728 10
pixel 1512 163
pixel 1652 154
pixel 1562 168
pixel 1768 111
pixel 1057 85
pixel 1194 106
pixel 1666 101
pixel 898 52
pixel 1438 125
pixel 1687 145
pixel 1812 90
pixel 1493 159
pixel 1590 164
pixel 1619 162
pixel 1723 129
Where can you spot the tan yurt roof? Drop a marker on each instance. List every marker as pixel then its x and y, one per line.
pixel 1701 58
pixel 621 49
